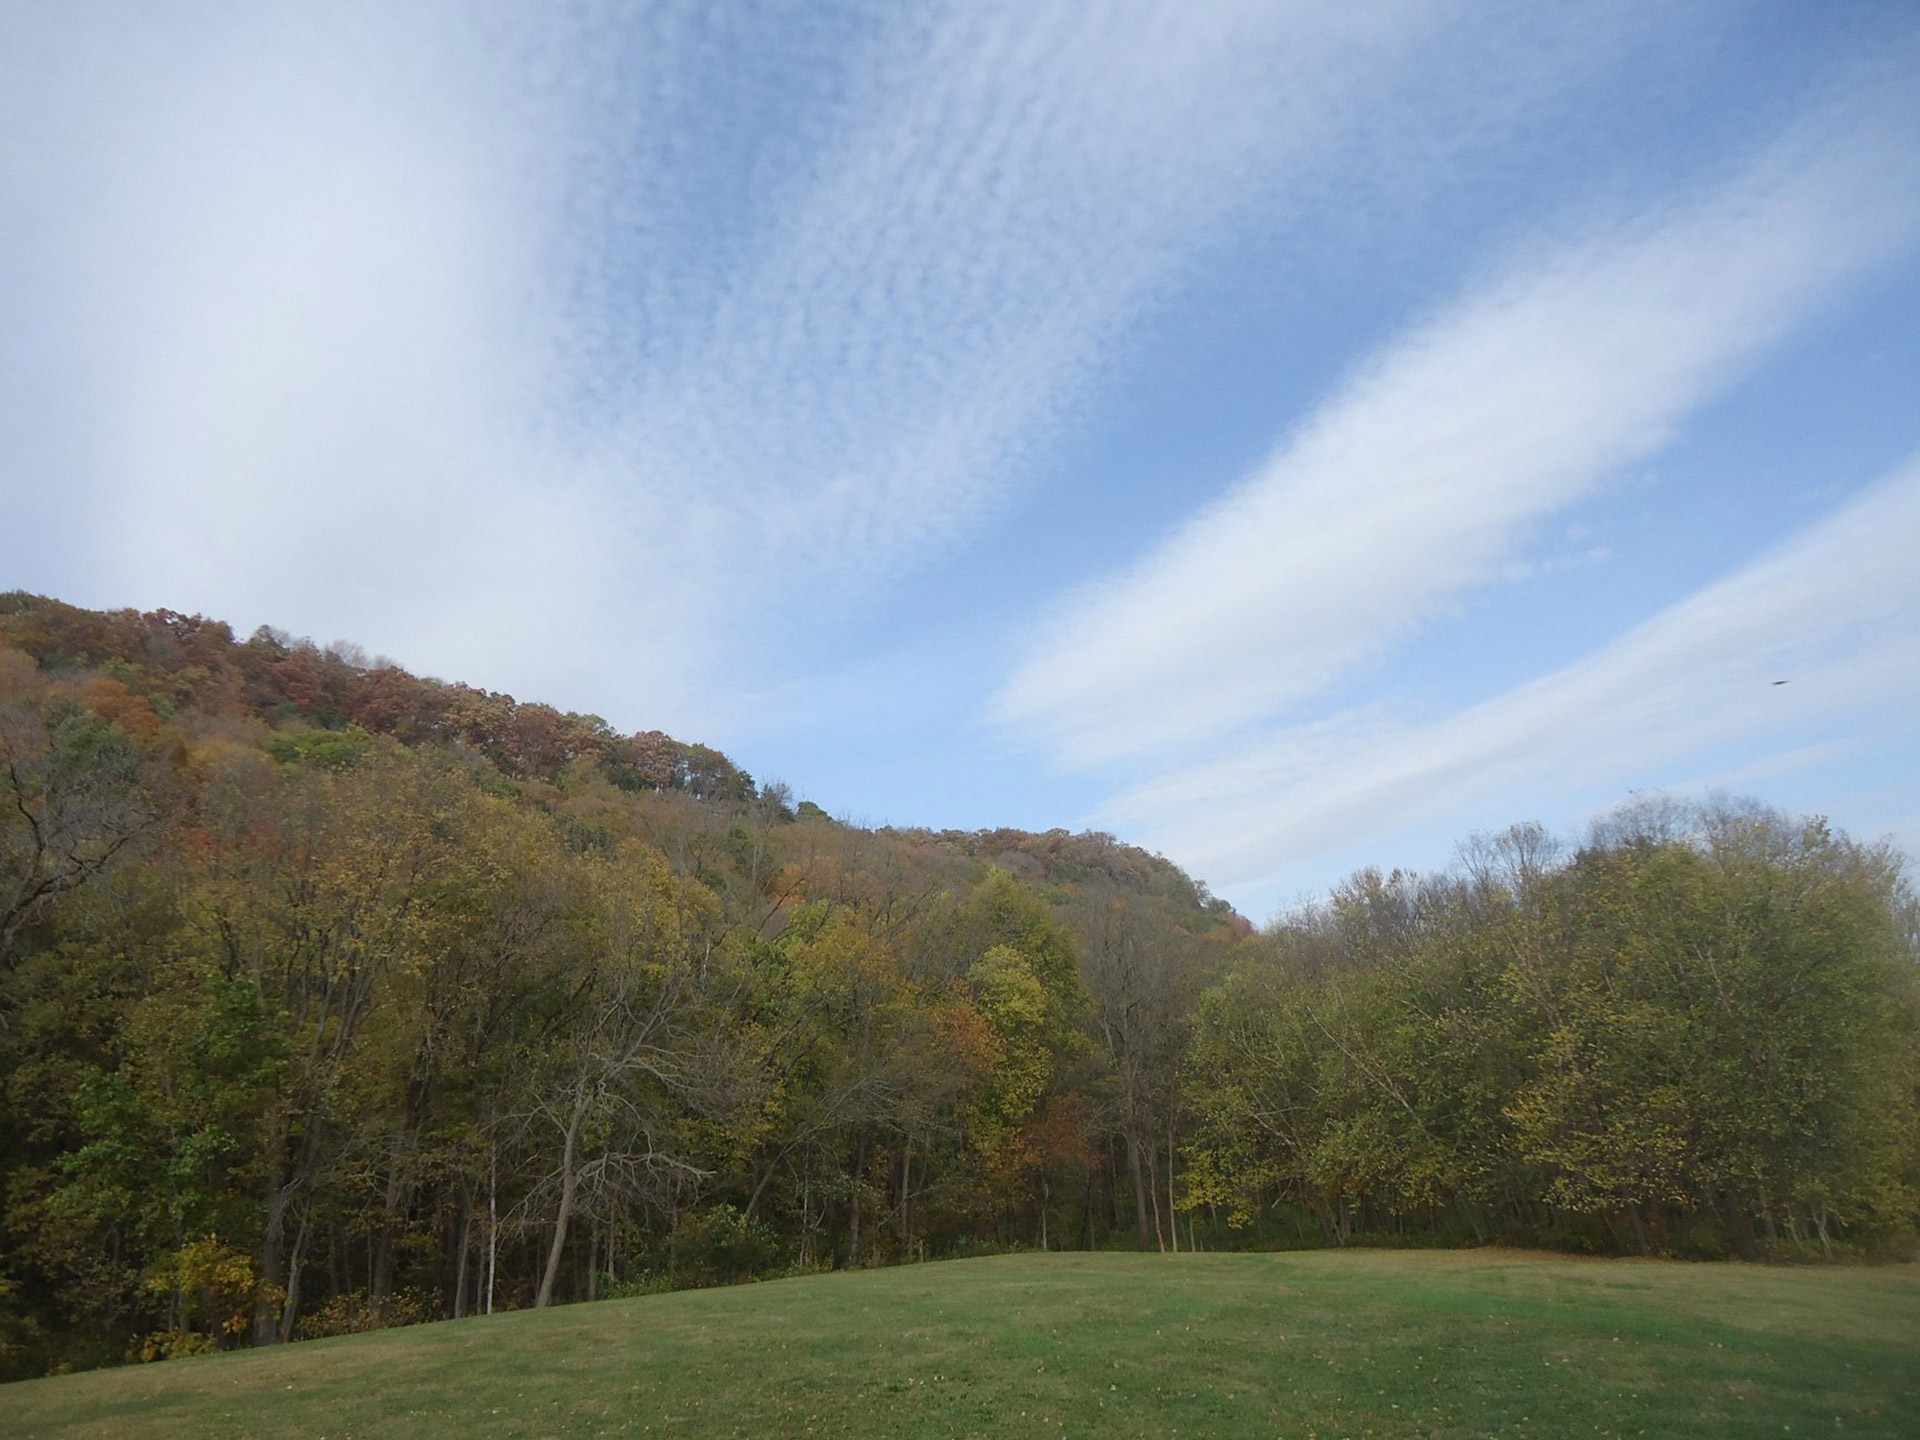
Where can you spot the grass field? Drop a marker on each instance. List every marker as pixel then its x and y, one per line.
pixel 1316 1345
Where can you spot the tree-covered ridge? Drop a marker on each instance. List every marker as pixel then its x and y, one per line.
pixel 171 661
pixel 314 1020
pixel 316 1016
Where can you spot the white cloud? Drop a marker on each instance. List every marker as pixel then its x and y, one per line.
pixel 464 330
pixel 1434 463
pixel 291 320
pixel 1012 185
pixel 1835 613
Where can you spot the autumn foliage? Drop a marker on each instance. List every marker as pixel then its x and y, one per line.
pixel 332 998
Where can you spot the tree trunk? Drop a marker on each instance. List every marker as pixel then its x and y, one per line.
pixel 1173 1215
pixel 1139 1185
pixel 493 1218
pixel 806 1212
pixel 1640 1229
pixel 266 1324
pixel 393 1203
pixel 1087 1174
pixel 906 1192
pixel 568 1180
pixel 1153 1200
pixel 1740 1228
pixel 290 1310
pixel 853 1214
pixel 466 1246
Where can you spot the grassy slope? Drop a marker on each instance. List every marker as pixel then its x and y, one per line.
pixel 1353 1344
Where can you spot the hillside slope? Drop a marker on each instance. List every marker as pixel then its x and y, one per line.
pixel 1391 1345
pixel 333 998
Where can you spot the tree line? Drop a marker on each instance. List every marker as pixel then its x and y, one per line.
pixel 1695 1034
pixel 333 998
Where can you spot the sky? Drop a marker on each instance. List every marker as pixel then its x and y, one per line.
pixel 1289 436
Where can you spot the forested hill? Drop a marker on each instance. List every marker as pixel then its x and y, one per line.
pixel 170 662
pixel 334 998
pixel 331 996
pixel 148 667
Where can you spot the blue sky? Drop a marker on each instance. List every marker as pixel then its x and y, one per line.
pixel 1290 436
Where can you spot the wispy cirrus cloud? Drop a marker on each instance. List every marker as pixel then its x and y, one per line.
pixel 1432 466
pixel 1835 613
pixel 458 329
pixel 1012 187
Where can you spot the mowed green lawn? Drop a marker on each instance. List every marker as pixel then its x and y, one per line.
pixel 1308 1345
